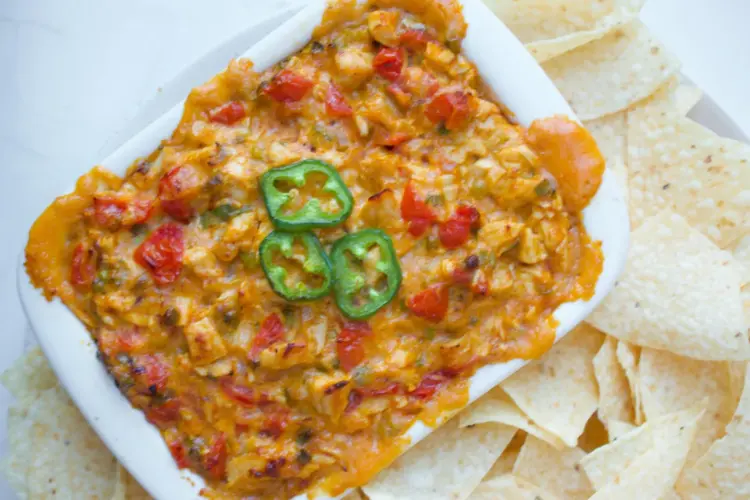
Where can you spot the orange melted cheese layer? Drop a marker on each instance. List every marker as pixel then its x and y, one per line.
pixel 246 388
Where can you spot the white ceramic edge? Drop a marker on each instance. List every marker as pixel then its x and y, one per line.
pixel 529 94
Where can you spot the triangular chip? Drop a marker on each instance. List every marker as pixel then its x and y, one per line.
pixel 679 292
pixel 678 164
pixel 618 429
pixel 558 391
pixel 610 133
pixel 509 487
pixel 555 471
pixel 723 471
pixel 627 357
pixel 448 464
pixel 669 435
pixel 615 402
pixel 496 406
pixel 612 73
pixel 686 97
pixel 29 376
pixel 670 383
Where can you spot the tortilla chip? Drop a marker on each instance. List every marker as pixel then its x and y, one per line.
pixel 615 402
pixel 686 97
pixel 509 487
pixel 558 391
pixel 618 429
pixel 69 460
pixel 627 358
pixel 496 406
pixel 668 437
pixel 28 376
pixel 16 464
pixel 676 163
pixel 741 254
pixel 610 74
pixel 723 471
pixel 611 133
pixel 127 488
pixel 448 464
pixel 555 471
pixel 670 383
pixel 679 292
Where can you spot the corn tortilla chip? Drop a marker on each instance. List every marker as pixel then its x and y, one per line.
pixel 509 487
pixel 28 376
pixel 676 163
pixel 448 464
pixel 741 254
pixel 610 133
pixel 617 428
pixel 127 488
pixel 16 464
pixel 555 471
pixel 723 471
pixel 670 436
pixel 610 74
pixel 615 402
pixel 686 97
pixel 558 391
pixel 627 357
pixel 679 292
pixel 496 406
pixel 670 383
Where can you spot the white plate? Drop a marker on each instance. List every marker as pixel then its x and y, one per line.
pixel 526 91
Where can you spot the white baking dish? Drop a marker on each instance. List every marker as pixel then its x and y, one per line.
pixel 525 90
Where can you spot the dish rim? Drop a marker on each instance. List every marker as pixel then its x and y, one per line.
pixel 138 445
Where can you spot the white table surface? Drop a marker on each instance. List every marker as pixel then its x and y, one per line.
pixel 74 72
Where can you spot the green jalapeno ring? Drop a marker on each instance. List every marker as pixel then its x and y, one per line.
pixel 347 283
pixel 316 262
pixel 311 215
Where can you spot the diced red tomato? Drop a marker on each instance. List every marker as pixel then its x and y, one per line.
pixel 161 253
pixel 432 382
pixel 389 62
pixel 83 266
pixel 246 396
pixel 419 82
pixel 288 86
pixel 271 331
pixel 215 457
pixel 178 209
pixel 462 276
pixel 336 104
pixel 430 304
pixel 415 39
pixel 165 414
pixel 228 114
pixel 449 108
pixel 357 395
pixel 113 212
pixel 349 346
pixel 382 138
pixel 152 371
pixel 276 421
pixel 130 338
pixel 179 453
pixel 416 211
pixel 177 188
pixel 108 211
pixel 455 231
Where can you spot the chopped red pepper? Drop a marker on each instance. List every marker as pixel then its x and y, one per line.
pixel 416 211
pixel 228 114
pixel 165 414
pixel 271 331
pixel 215 457
pixel 430 304
pixel 432 382
pixel 288 86
pixel 246 396
pixel 108 211
pixel 161 253
pixel 415 39
pixel 83 266
pixel 276 422
pixel 357 395
pixel 336 104
pixel 455 231
pixel 179 453
pixel 349 346
pixel 449 108
pixel 177 188
pixel 389 62
pixel 130 338
pixel 382 138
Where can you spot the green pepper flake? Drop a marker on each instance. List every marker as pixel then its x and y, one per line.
pixel 221 213
pixel 360 374
pixel 304 436
pixel 303 457
pixel 442 130
pixel 356 297
pixel 544 188
pixel 315 263
pixel 249 260
pixel 429 333
pixel 435 199
pixel 311 215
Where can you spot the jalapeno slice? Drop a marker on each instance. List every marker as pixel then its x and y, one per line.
pixel 312 214
pixel 364 281
pixel 280 246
